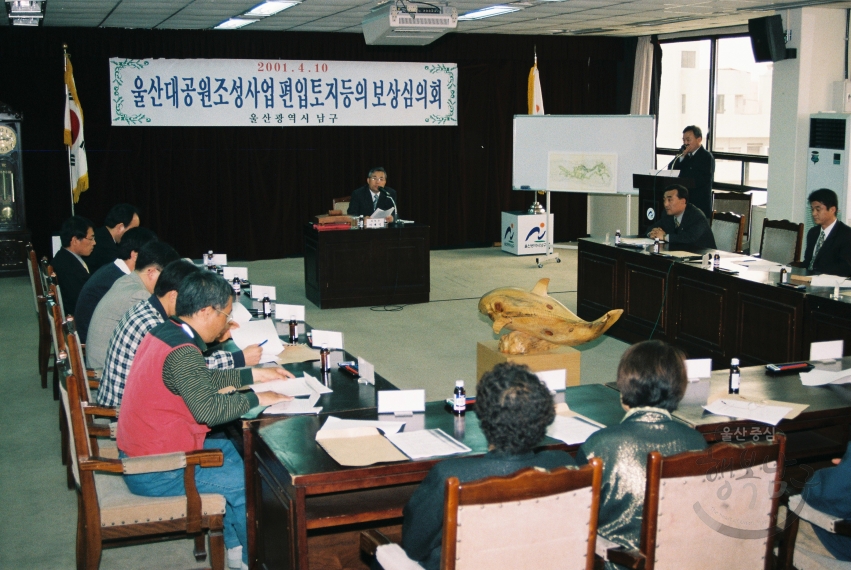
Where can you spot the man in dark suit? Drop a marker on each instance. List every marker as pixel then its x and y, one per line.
pixel 366 199
pixel 102 279
pixel 78 240
pixel 697 163
pixel 514 409
pixel 119 219
pixel 683 226
pixel 829 242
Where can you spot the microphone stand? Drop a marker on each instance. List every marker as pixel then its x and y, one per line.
pixel 396 219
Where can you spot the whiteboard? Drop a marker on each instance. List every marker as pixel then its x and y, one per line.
pixel 595 154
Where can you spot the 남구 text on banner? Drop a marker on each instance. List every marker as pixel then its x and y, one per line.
pixel 281 93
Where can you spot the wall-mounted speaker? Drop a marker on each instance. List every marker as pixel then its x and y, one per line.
pixel 767 38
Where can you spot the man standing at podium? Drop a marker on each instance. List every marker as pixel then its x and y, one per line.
pixel 697 163
pixel 373 196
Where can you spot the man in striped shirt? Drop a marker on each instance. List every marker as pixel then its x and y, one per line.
pixel 172 400
pixel 142 318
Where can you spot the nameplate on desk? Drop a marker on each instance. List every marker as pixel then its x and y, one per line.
pixel 400 401
pixel 366 372
pixel 230 272
pixel 828 350
pixel 555 380
pixel 375 223
pixel 261 291
pixel 287 312
pixel 332 339
pixel 698 368
pixel 220 259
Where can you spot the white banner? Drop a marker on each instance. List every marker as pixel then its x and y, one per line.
pixel 278 93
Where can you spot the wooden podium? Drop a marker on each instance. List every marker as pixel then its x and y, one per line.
pixel 650 191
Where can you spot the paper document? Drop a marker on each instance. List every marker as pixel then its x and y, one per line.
pixel 297 406
pixel 305 386
pixel 748 410
pixel 382 213
pixel 830 281
pixel 571 430
pixel 333 423
pixel 298 353
pixel 818 377
pixel 256 332
pixel 240 314
pixel 427 443
pixel 358 446
pixel 637 241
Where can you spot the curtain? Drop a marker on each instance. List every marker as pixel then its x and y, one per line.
pixel 249 191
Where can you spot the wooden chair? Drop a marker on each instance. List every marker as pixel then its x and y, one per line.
pixel 109 515
pixel 532 519
pixel 799 509
pixel 727 227
pixel 342 204
pixel 715 508
pixel 781 241
pixel 39 301
pixel 736 202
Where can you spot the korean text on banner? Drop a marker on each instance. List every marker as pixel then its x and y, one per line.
pixel 281 93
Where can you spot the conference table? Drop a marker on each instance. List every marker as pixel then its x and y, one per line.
pixel 369 267
pixel 308 510
pixel 708 314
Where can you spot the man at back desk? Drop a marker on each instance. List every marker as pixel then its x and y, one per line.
pixel 373 196
pixel 829 242
pixel 683 226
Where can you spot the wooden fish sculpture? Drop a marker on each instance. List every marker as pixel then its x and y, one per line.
pixel 537 315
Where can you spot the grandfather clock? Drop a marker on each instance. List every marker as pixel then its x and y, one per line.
pixel 13 223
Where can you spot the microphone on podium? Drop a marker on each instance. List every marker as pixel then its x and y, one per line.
pixel 395 207
pixel 679 156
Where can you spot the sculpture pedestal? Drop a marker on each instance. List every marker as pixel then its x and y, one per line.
pixel 562 357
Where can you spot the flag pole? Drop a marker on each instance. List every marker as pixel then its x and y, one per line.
pixel 67 148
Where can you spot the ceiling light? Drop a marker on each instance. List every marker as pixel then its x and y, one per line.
pixel 270 7
pixel 25 8
pixel 487 13
pixel 234 24
pixel 34 22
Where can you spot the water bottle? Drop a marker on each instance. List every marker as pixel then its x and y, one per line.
pixel 459 400
pixel 655 245
pixel 716 262
pixel 237 286
pixel 208 259
pixel 784 275
pixel 267 307
pixel 325 358
pixel 293 330
pixel 617 237
pixel 735 376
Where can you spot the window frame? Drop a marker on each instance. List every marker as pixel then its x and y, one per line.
pixel 709 135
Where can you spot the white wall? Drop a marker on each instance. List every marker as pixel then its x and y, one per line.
pixel 800 87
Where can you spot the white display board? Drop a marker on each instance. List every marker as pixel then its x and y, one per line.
pixel 596 154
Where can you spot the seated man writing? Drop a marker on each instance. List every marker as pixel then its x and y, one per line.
pixel 514 410
pixel 652 380
pixel 136 323
pixel 172 400
pixel 683 226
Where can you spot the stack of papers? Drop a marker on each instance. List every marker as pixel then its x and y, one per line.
pixel 295 387
pixel 358 443
pixel 427 443
pixel 637 241
pixel 818 377
pixel 572 429
pixel 755 411
pixel 295 407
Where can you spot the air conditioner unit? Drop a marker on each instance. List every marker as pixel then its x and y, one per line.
pixel 408 24
pixel 828 159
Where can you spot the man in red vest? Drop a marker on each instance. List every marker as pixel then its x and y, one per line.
pixel 172 400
